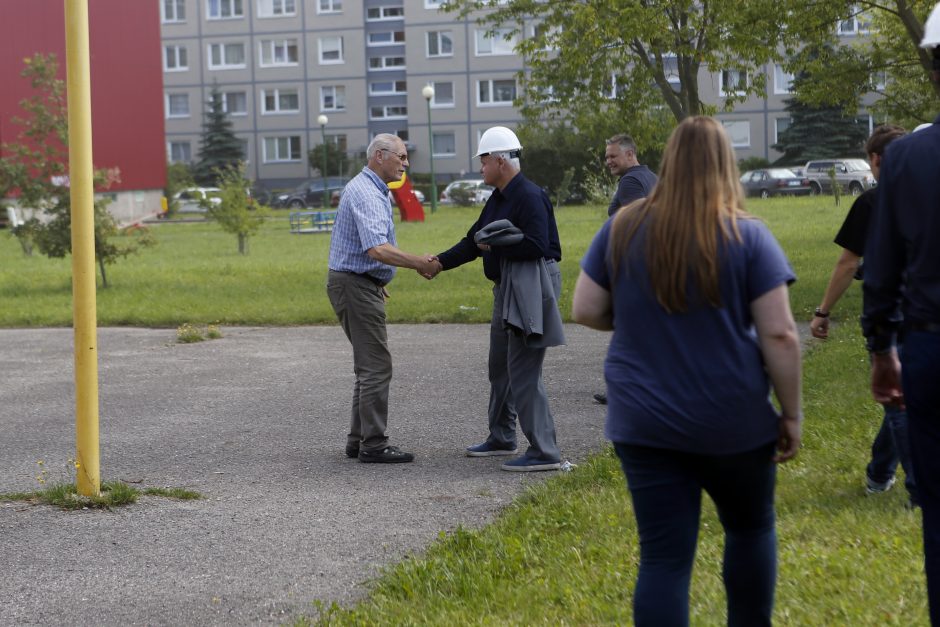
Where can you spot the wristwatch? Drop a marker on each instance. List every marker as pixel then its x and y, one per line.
pixel 819 313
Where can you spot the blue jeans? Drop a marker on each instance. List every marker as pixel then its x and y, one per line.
pixel 891 446
pixel 920 365
pixel 666 488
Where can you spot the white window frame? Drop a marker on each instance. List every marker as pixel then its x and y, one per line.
pixel 443 105
pixel 274 47
pixel 232 6
pixel 278 157
pixel 779 75
pixel 728 124
pixel 395 91
pixel 225 107
pixel 777 127
pixel 277 94
pixel 399 115
pixel 391 42
pixel 320 50
pixel 169 151
pixel 387 12
pixel 496 45
pixel 385 66
pixel 490 83
pixel 438 36
pixel 443 154
pixel 176 116
pixel 433 4
pixel 179 12
pixel 337 105
pixel 173 51
pixel 334 6
pixel 737 74
pixel 226 66
pixel 277 8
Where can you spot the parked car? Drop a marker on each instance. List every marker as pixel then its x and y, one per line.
pixel 310 193
pixel 481 192
pixel 192 199
pixel 853 175
pixel 774 182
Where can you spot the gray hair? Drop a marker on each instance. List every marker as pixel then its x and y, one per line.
pixel 624 141
pixel 382 141
pixel 505 156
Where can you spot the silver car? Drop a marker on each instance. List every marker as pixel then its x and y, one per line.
pixel 853 175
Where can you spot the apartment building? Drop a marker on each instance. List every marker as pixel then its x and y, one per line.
pixel 282 64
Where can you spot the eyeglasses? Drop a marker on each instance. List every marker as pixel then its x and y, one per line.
pixel 401 157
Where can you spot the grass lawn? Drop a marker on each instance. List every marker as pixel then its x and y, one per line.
pixel 565 553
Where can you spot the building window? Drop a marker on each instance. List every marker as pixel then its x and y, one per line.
pixel 276 8
pixel 330 6
pixel 281 149
pixel 338 140
pixel 331 50
pixel 445 144
pixel 226 56
pixel 333 98
pixel 386 63
pixel 433 4
pixel 443 94
pixel 783 80
pixel 388 112
pixel 780 125
pixel 440 43
pixel 180 152
pixel 235 103
pixel 386 38
pixel 279 101
pixel 173 11
pixel 244 146
pixel 496 92
pixel 385 13
pixel 739 131
pixel 386 88
pixel 879 80
pixel 224 9
pixel 278 52
pixel 177 105
pixel 495 44
pixel 175 59
pixel 733 83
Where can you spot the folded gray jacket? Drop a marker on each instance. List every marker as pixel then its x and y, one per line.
pixel 530 303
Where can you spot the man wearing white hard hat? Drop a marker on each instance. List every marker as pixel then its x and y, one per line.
pixel 515 360
pixel 902 296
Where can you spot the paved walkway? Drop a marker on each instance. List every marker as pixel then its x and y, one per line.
pixel 255 422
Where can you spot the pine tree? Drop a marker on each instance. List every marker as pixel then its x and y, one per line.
pixel 219 148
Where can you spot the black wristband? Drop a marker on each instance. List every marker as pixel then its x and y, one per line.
pixel 819 313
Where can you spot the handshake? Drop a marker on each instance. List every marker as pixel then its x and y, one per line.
pixel 428 266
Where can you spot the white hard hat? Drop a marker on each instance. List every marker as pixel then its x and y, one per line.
pixel 921 127
pixel 932 29
pixel 498 139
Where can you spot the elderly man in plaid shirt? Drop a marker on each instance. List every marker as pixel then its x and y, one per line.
pixel 363 258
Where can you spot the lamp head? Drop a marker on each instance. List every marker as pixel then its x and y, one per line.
pixel 427 92
pixel 322 120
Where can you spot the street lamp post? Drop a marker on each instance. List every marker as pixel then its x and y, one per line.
pixel 322 120
pixel 428 93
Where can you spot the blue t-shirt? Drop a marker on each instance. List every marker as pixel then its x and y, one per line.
pixel 692 381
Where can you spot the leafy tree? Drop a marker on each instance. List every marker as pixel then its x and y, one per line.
pixel 36 166
pixel 337 161
pixel 219 149
pixel 634 59
pixel 819 132
pixel 888 61
pixel 235 213
pixel 179 176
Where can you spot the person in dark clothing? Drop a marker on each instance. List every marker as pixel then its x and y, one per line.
pixel 902 296
pixel 891 444
pixel 636 181
pixel 515 367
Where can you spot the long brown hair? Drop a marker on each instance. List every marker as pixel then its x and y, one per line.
pixel 698 196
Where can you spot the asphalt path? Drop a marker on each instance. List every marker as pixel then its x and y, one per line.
pixel 256 423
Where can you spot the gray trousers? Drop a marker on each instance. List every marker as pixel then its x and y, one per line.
pixel 516 389
pixel 360 307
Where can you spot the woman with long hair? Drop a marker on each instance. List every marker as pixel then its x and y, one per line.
pixel 695 291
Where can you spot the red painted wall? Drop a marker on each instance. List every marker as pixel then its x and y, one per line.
pixel 126 79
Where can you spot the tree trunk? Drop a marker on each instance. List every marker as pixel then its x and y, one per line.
pixel 242 244
pixel 104 276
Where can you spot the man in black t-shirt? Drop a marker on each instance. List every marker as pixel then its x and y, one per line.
pixel 891 444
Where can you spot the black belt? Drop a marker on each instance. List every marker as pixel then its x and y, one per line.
pixel 364 275
pixel 924 327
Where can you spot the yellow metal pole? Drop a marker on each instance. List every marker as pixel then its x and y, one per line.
pixel 84 311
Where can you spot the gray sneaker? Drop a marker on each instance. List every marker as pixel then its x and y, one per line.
pixel 874 487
